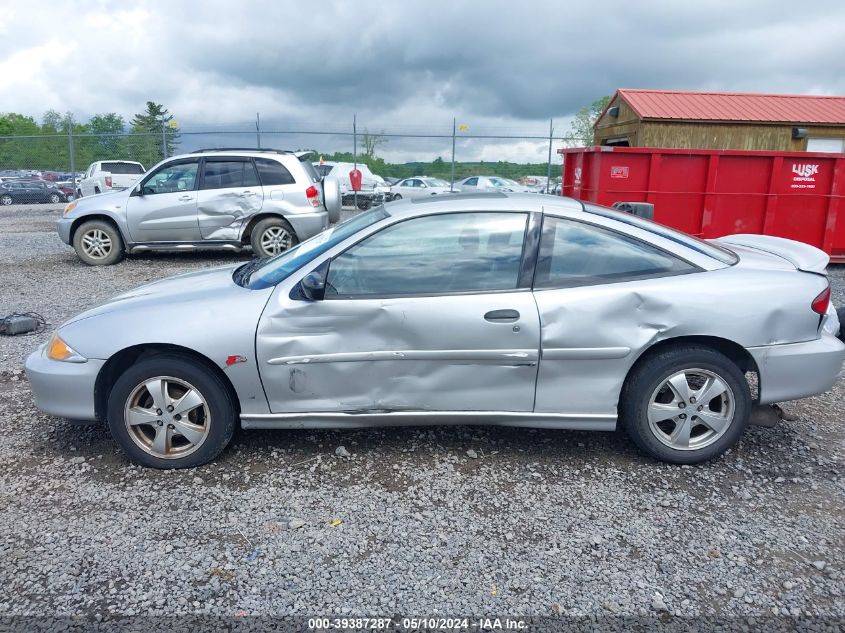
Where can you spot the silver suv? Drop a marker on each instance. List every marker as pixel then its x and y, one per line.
pixel 210 199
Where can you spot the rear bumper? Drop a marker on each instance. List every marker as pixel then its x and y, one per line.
pixel 62 389
pixel 798 370
pixel 308 224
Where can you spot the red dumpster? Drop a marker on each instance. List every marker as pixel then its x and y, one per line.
pixel 710 193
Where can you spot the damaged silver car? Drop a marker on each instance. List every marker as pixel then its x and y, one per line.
pixel 506 309
pixel 224 199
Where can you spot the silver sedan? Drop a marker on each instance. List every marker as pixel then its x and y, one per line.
pixel 507 309
pixel 419 187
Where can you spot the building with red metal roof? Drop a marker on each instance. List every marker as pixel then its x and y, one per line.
pixel 722 120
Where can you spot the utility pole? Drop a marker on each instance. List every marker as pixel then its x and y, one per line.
pixel 549 170
pixel 454 127
pixel 258 130
pixel 72 157
pixel 355 152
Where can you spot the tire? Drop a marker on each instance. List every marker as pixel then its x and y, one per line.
pixel 98 243
pixel 6 200
pixel 396 196
pixel 272 236
pixel 55 198
pixel 209 423
pixel 96 190
pixel 841 314
pixel 648 400
pixel 79 193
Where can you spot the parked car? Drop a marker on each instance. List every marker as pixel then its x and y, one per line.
pixel 512 309
pixel 109 175
pixel 30 191
pixel 490 183
pixel 372 190
pixel 418 187
pixel 211 199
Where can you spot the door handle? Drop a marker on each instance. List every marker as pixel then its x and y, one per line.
pixel 248 193
pixel 185 198
pixel 502 316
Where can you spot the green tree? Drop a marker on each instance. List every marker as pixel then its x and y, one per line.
pixel 106 137
pixel 581 128
pixel 151 126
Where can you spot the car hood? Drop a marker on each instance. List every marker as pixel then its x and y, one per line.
pixel 99 199
pixel 188 288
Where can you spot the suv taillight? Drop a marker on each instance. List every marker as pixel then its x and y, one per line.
pixel 821 302
pixel 108 181
pixel 313 196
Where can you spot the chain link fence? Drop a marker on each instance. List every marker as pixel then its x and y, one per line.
pixel 450 152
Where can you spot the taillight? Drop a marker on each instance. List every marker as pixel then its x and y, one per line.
pixel 313 196
pixel 108 181
pixel 821 302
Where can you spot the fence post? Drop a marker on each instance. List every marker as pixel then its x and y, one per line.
pixel 452 184
pixel 258 129
pixel 354 154
pixel 72 157
pixel 549 170
pixel 163 141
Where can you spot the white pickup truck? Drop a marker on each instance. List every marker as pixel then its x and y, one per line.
pixel 109 175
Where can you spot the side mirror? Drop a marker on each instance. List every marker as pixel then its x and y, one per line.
pixel 313 286
pixel 137 190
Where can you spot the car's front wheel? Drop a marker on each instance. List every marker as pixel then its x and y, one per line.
pixel 55 198
pixel 98 243
pixel 169 411
pixel 686 404
pixel 272 236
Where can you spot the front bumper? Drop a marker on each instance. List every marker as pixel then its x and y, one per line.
pixel 63 389
pixel 63 226
pixel 798 370
pixel 308 224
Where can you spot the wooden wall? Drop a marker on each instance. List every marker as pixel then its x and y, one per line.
pixel 705 135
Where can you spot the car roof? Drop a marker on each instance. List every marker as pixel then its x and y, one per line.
pixel 493 201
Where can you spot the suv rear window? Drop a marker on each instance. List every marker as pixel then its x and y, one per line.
pixel 309 169
pixel 122 168
pixel 272 172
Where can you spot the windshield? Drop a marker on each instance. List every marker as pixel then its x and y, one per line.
pixel 707 248
pixel 277 268
pixel 503 182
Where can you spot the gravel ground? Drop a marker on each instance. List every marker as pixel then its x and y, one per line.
pixel 436 521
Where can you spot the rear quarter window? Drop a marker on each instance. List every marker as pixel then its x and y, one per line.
pixel 272 172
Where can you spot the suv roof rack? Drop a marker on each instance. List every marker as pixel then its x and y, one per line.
pixel 242 149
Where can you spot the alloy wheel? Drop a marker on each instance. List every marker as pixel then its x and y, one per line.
pixel 275 239
pixel 54 198
pixel 691 409
pixel 97 244
pixel 167 417
pixel 6 200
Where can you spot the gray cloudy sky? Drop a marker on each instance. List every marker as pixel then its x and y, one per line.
pixel 499 67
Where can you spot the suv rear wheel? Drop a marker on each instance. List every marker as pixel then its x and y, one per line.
pixel 272 236
pixel 98 243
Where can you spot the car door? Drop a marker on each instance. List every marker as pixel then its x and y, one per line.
pixel 590 285
pixel 403 188
pixel 429 313
pixel 469 185
pixel 164 207
pixel 229 193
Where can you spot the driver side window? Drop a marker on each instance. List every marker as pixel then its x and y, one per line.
pixel 172 178
pixel 436 254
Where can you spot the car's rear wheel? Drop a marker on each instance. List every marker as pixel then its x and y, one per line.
pixel 272 236
pixel 686 404
pixel 6 200
pixel 98 243
pixel 169 411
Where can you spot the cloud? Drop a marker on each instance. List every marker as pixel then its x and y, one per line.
pixel 502 67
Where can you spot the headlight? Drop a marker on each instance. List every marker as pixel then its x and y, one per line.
pixel 70 207
pixel 57 349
